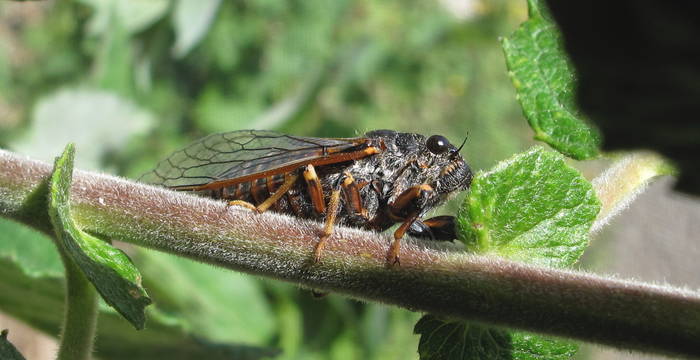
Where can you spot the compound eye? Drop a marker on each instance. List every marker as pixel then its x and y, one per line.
pixel 437 144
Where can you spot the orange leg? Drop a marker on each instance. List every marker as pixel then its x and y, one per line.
pixel 289 181
pixel 351 193
pixel 402 206
pixel 353 201
pixel 392 257
pixel 244 204
pixel 406 208
pixel 315 189
pixel 331 213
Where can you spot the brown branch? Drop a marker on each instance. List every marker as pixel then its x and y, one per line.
pixel 431 278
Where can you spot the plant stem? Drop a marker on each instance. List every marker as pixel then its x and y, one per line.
pixel 79 323
pixel 431 278
pixel 620 184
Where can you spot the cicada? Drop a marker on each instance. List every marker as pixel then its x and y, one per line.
pixel 371 182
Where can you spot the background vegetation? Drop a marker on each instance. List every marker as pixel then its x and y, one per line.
pixel 129 81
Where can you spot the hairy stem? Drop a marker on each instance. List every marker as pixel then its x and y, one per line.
pixel 431 278
pixel 80 317
pixel 620 184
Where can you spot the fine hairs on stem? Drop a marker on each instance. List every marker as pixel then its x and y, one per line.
pixel 431 278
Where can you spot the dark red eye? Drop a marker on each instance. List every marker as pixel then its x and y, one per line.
pixel 437 144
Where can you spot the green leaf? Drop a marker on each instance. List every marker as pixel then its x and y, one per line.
pixel 386 336
pixel 114 65
pixel 191 20
pixel 33 251
pixel 213 106
pixel 544 82
pixel 34 299
pixel 240 114
pixel 231 306
pixel 459 340
pixel 108 269
pixel 527 346
pixel 7 350
pixel 97 121
pixel 533 208
pixel 135 15
pixel 290 111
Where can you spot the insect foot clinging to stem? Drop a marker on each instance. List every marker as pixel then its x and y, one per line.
pixel 372 182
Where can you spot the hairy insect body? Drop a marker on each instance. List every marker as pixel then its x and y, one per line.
pixel 372 182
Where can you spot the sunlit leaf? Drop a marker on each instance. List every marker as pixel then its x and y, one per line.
pixel 545 83
pixel 191 20
pixel 532 208
pixel 135 15
pixel 96 121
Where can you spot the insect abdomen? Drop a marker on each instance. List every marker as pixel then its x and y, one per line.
pixel 258 190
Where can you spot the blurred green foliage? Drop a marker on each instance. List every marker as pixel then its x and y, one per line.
pixel 130 81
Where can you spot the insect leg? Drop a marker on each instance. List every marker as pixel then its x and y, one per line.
pixel 331 213
pixel 353 201
pixel 349 188
pixel 243 203
pixel 392 257
pixel 440 228
pixel 408 201
pixel 315 189
pixel 316 193
pixel 289 180
pixel 407 208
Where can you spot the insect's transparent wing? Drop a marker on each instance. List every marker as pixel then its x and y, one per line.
pixel 237 154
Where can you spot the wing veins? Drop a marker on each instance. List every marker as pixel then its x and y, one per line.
pixel 224 158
